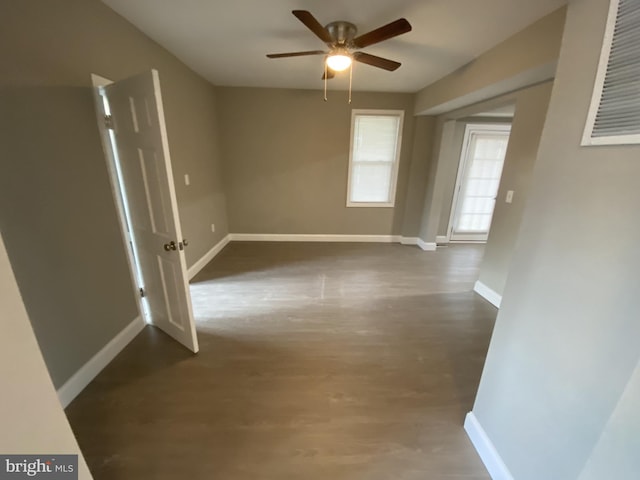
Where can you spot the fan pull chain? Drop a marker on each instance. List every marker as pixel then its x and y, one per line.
pixel 350 80
pixel 325 80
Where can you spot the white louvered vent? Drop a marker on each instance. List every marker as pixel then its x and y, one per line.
pixel 614 115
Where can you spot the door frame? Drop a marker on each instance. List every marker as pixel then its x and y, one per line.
pixel 116 190
pixel 462 167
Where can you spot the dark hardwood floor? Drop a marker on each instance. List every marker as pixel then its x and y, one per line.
pixel 318 361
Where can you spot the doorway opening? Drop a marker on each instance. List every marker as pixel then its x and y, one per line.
pixel 113 163
pixel 107 138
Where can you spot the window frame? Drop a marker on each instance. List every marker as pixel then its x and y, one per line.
pixel 596 98
pixel 393 181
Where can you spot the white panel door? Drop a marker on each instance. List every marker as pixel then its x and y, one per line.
pixel 479 173
pixel 147 181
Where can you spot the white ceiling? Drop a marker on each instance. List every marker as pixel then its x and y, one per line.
pixel 226 41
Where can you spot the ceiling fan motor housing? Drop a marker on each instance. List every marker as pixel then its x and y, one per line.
pixel 342 32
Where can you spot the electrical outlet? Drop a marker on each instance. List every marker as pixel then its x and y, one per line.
pixel 509 198
pixel 187 181
pixel 213 227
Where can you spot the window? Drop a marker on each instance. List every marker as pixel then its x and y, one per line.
pixel 614 115
pixel 376 136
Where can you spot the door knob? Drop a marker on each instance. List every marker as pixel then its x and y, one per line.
pixel 184 242
pixel 170 246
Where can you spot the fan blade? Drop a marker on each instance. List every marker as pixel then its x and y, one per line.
pixel 295 54
pixel 329 75
pixel 374 61
pixel 386 32
pixel 312 24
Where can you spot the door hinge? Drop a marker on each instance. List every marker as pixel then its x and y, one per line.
pixel 108 122
pixel 142 292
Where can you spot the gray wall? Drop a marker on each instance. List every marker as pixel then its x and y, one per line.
pixel 57 215
pixel 423 145
pixel 60 225
pixel 616 453
pixel 286 161
pixel 449 176
pixel 30 414
pixel 526 129
pixel 523 59
pixel 562 364
pixel 437 184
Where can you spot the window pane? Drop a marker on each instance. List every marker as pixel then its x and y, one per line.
pixel 479 205
pixel 486 187
pixel 490 148
pixel 484 168
pixel 375 138
pixel 370 183
pixel 474 223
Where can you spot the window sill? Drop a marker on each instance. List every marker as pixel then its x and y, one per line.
pixel 370 204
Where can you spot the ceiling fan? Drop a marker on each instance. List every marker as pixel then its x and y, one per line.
pixel 340 37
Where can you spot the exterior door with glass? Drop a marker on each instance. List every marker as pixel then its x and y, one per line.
pixel 483 152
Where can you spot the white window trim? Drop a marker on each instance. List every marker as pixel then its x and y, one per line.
pixel 607 42
pixel 396 161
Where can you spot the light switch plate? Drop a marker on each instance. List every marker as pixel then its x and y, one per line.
pixel 187 181
pixel 509 198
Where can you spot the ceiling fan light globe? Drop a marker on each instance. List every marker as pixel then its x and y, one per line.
pixel 338 62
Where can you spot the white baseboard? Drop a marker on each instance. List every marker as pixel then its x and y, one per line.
pixel 409 240
pixel 426 246
pixel 305 237
pixel 207 257
pixel 442 239
pixel 485 448
pixel 488 294
pixel 89 371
